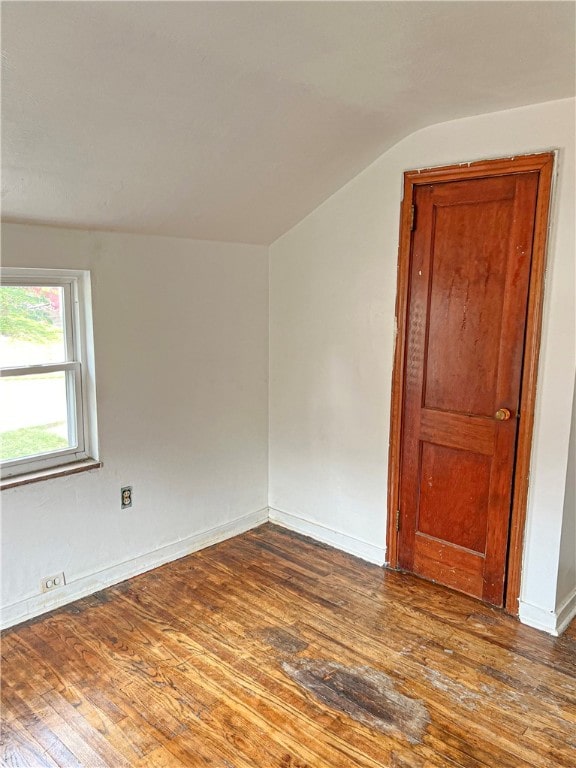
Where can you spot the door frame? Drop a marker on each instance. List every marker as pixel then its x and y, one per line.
pixel 543 163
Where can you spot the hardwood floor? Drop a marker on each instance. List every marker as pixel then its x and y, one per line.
pixel 272 651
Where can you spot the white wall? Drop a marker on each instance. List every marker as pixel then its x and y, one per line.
pixel 180 331
pixel 567 574
pixel 333 287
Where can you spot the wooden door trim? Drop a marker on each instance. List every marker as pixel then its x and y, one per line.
pixel 543 163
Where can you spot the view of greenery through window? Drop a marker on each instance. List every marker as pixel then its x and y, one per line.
pixel 33 415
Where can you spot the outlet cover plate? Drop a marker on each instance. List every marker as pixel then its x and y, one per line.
pixel 49 583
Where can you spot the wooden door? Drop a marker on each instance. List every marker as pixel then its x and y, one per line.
pixel 467 301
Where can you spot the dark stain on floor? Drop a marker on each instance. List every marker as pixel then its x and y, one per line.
pixel 282 640
pixel 363 694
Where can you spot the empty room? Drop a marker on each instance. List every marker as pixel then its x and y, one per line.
pixel 287 405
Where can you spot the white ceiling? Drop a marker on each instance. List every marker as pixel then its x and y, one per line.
pixel 233 120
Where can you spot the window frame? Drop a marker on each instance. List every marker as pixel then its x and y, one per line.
pixel 78 368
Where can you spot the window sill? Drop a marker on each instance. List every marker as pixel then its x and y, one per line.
pixel 47 474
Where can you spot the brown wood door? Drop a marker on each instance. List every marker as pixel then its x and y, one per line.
pixel 467 305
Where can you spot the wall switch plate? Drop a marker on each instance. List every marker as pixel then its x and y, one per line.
pixel 49 583
pixel 126 497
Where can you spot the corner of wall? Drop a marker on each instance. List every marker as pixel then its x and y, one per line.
pixel 371 553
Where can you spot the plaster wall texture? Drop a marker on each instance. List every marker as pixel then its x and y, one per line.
pixel 180 336
pixel 332 329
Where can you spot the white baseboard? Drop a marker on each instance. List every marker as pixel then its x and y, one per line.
pixel 539 618
pixel 565 612
pixel 553 622
pixel 87 585
pixel 362 549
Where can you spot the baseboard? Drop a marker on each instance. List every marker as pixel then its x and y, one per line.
pixel 565 612
pixel 538 618
pixel 362 549
pixel 553 622
pixel 87 585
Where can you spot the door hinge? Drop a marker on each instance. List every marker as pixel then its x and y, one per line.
pixel 397 519
pixel 412 217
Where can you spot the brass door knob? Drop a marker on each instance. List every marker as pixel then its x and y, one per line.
pixel 502 414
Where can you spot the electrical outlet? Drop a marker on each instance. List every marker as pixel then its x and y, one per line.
pixel 126 497
pixel 52 582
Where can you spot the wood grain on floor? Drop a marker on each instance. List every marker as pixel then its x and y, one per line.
pixel 273 651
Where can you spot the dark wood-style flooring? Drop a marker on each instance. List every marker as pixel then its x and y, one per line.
pixel 272 651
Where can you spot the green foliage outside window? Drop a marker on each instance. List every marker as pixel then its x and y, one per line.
pixel 30 313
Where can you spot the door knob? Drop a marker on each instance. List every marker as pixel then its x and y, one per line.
pixel 502 414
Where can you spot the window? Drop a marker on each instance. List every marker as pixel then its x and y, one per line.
pixel 47 404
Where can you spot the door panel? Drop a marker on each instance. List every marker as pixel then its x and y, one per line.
pixel 467 288
pixel 445 473
pixel 469 276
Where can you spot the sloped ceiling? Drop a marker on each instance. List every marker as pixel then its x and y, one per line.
pixel 232 120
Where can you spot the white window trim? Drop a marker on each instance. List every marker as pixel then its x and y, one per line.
pixel 79 367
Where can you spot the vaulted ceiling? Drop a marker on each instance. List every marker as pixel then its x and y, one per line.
pixel 233 120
